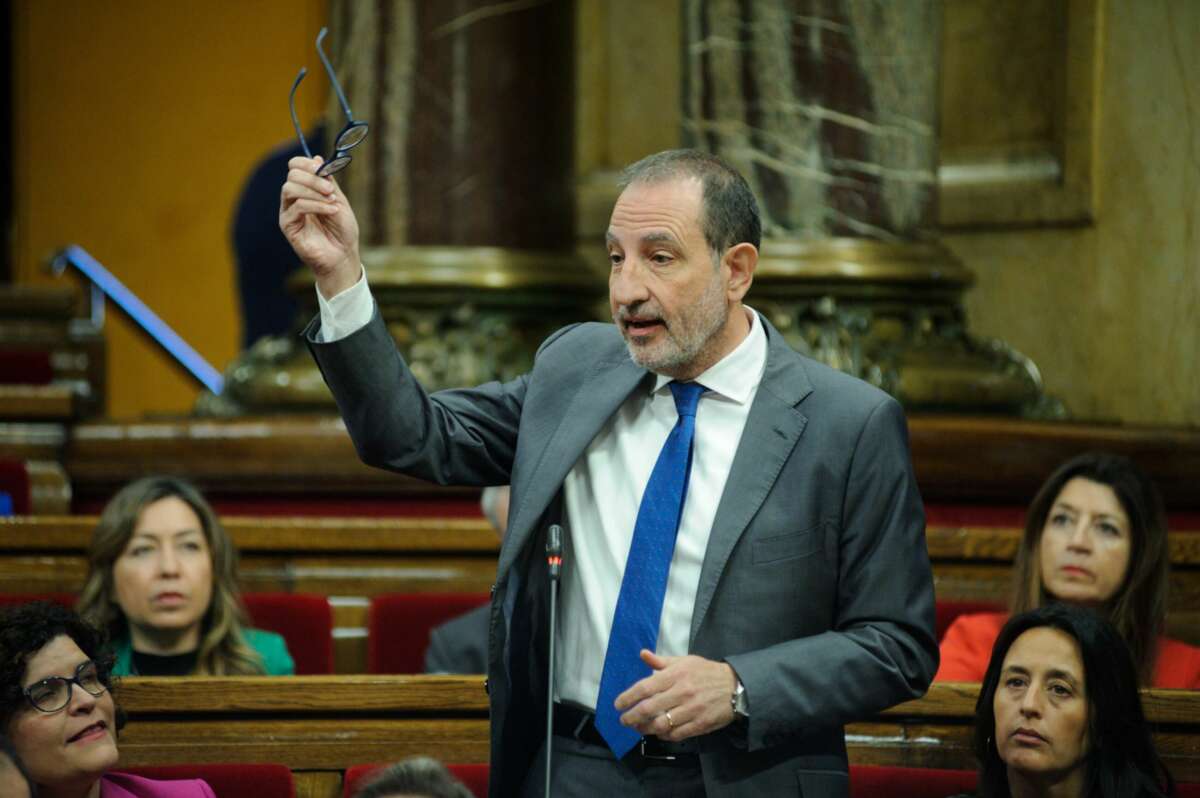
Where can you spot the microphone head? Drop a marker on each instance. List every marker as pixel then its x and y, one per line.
pixel 554 540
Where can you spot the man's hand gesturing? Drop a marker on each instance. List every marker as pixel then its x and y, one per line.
pixel 318 222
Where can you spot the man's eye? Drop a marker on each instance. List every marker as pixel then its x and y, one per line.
pixel 615 258
pixel 661 258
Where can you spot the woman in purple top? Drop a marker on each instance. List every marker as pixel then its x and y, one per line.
pixel 56 708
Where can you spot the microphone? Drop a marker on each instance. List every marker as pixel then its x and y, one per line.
pixel 554 561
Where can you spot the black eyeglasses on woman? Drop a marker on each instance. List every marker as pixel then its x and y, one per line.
pixel 54 693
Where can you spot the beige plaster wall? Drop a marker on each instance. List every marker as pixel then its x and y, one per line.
pixel 1111 312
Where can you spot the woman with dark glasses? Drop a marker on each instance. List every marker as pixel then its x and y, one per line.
pixel 57 708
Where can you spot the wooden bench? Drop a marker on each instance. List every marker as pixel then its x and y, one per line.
pixel 351 560
pixel 320 725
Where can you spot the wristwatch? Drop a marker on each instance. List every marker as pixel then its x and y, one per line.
pixel 739 702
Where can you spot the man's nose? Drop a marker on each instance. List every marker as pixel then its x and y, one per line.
pixel 627 286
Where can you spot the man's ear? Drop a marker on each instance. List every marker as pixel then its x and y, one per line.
pixel 741 260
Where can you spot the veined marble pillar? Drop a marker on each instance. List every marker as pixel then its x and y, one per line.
pixel 462 190
pixel 829 108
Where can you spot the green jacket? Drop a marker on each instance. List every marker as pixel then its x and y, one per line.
pixel 270 646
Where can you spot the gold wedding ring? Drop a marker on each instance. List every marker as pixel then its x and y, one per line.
pixel 670 723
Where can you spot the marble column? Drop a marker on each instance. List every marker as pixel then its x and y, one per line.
pixel 829 108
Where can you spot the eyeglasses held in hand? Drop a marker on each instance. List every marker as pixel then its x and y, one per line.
pixel 54 693
pixel 352 134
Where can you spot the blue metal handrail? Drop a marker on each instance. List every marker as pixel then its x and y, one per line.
pixel 105 284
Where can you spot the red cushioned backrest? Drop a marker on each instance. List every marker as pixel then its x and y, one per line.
pixel 25 367
pixel 1188 790
pixel 870 781
pixel 65 599
pixel 946 611
pixel 304 620
pixel 14 480
pixel 228 781
pixel 399 624
pixel 474 776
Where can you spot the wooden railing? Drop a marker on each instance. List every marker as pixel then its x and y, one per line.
pixel 320 725
pixel 956 458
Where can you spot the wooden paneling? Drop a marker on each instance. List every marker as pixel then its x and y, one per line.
pixel 37 402
pixel 957 459
pixel 1004 461
pixel 324 724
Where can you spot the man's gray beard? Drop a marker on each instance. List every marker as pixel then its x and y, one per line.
pixel 686 346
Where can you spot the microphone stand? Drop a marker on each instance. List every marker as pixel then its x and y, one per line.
pixel 554 560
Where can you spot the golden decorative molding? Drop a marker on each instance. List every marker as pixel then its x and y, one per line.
pixel 460 315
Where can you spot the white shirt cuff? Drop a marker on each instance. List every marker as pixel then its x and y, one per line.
pixel 347 312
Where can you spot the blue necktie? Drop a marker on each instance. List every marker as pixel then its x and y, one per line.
pixel 639 604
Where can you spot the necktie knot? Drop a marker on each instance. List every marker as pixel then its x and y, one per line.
pixel 687 397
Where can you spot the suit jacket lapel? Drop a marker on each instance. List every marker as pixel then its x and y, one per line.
pixel 772 430
pixel 597 398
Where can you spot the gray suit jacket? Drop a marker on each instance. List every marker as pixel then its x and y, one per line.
pixel 460 644
pixel 816 584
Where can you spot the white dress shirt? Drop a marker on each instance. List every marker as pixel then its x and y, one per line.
pixel 603 490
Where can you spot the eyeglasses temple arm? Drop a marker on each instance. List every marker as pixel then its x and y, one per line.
pixel 295 119
pixel 337 87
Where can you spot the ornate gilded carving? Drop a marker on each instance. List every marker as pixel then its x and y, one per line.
pixel 891 314
pixel 460 315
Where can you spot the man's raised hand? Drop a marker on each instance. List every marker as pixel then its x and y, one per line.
pixel 319 223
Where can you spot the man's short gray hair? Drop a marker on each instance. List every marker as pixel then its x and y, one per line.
pixel 730 211
pixel 418 775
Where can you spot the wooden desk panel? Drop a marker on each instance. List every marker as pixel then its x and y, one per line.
pixel 324 724
pixel 956 458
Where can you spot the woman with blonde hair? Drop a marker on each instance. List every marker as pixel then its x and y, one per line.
pixel 1095 537
pixel 163 584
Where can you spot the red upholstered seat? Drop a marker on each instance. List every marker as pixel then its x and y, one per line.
pixel 474 776
pixel 228 781
pixel 10 599
pixel 946 611
pixel 398 627
pixel 871 781
pixel 1188 790
pixel 25 367
pixel 304 620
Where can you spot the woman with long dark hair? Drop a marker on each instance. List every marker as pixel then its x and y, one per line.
pixel 1059 712
pixel 1095 536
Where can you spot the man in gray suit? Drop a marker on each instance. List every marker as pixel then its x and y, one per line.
pixel 793 580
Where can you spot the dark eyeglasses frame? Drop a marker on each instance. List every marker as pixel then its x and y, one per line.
pixel 352 134
pixel 70 682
